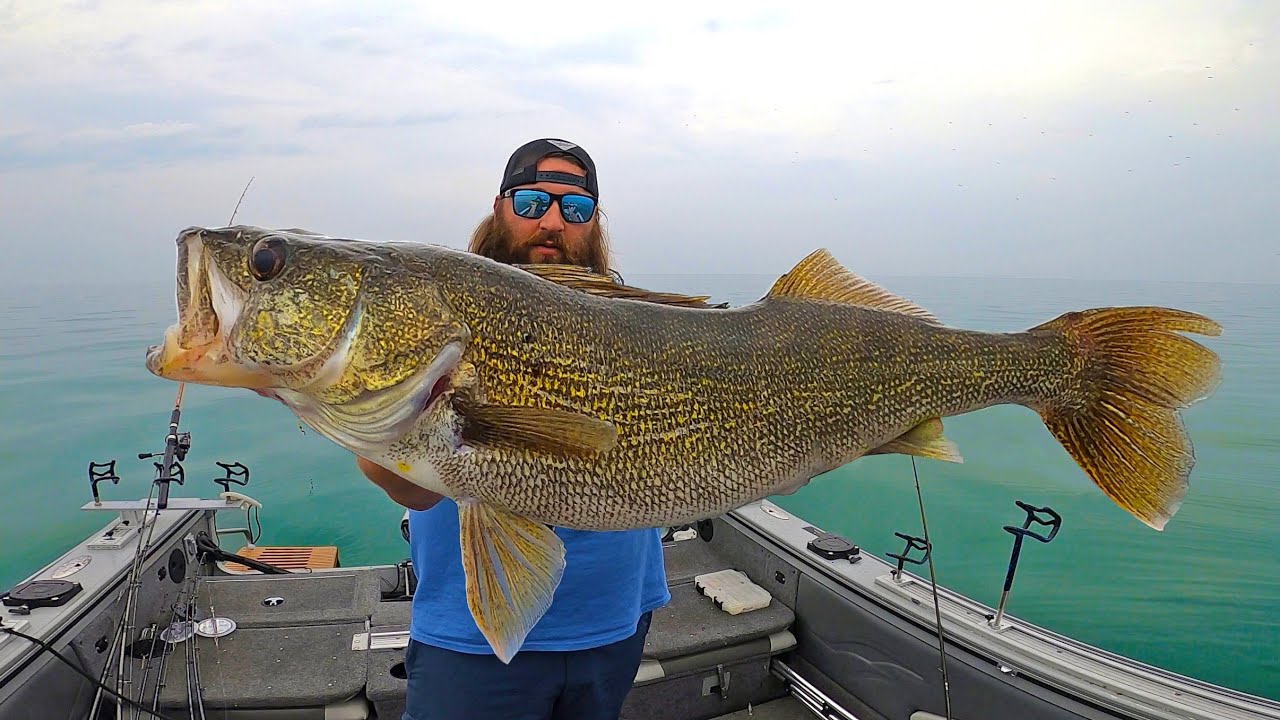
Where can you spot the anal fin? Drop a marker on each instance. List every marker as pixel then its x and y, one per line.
pixel 513 566
pixel 924 440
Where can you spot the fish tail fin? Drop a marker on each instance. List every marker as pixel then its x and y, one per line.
pixel 1117 415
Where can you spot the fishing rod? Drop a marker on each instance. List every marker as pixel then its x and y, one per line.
pixel 933 582
pixel 176 444
pixel 1037 515
pixel 175 452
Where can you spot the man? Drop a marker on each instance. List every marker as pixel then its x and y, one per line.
pixel 580 660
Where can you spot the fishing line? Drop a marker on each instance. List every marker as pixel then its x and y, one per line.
pixel 146 666
pixel 937 608
pixel 188 588
pixel 237 208
pixel 195 688
pixel 140 553
pixel 129 617
pixel 190 599
pixel 145 535
pixel 116 638
pixel 217 662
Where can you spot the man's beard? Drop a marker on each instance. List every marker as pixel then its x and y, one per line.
pixel 506 247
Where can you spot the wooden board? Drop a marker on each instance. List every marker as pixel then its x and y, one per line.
pixel 288 557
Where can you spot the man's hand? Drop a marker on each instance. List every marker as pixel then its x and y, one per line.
pixel 397 488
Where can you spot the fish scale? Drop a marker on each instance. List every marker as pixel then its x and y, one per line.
pixel 548 396
pixel 790 413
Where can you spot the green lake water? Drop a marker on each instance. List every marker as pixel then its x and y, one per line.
pixel 1201 598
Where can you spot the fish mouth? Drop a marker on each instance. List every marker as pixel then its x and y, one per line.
pixel 438 388
pixel 195 348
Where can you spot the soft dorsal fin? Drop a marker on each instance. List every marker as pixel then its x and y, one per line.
pixel 579 278
pixel 821 277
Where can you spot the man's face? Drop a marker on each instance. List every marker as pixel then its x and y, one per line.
pixel 548 239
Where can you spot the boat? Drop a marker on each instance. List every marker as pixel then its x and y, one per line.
pixel 770 617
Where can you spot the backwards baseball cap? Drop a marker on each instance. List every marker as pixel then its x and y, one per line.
pixel 522 168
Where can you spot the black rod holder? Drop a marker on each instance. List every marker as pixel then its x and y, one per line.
pixel 913 543
pixel 1054 522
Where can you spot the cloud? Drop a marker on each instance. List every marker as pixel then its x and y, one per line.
pixel 1001 138
pixel 137 145
pixel 342 120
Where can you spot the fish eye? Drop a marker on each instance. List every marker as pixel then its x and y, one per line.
pixel 267 258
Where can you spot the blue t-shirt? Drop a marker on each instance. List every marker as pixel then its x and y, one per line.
pixel 610 580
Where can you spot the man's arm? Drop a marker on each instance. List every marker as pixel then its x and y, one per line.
pixel 397 488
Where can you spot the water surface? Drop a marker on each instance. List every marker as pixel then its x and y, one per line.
pixel 1201 598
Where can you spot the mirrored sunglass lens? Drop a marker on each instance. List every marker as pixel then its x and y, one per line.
pixel 530 203
pixel 577 208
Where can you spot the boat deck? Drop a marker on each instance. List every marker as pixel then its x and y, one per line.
pixel 330 640
pixel 328 643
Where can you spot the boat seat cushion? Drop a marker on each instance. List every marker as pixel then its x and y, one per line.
pixel 337 596
pixel 270 667
pixel 688 558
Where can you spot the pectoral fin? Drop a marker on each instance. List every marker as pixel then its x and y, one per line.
pixel 513 566
pixel 546 430
pixel 924 440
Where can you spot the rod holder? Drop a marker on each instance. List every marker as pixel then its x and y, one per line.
pixel 1050 519
pixel 913 543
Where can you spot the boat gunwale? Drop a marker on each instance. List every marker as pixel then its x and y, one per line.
pixel 755 520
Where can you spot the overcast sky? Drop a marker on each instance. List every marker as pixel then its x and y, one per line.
pixel 1033 139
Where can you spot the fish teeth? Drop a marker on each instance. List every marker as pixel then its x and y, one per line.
pixel 227 299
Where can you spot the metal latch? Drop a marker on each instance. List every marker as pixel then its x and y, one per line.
pixel 721 683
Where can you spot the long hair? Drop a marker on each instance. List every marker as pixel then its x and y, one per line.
pixel 493 239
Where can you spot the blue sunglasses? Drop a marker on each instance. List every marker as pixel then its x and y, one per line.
pixel 533 204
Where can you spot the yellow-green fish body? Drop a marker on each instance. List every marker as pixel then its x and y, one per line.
pixel 542 395
pixel 712 408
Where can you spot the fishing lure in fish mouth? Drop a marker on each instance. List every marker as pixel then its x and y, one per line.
pixel 547 395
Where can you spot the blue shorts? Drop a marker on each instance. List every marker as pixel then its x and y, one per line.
pixel 586 684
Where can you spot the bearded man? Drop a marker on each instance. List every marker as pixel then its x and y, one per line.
pixel 580 660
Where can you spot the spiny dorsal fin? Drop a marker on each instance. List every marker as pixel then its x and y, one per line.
pixel 821 277
pixel 580 278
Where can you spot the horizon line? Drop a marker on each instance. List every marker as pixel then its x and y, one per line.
pixel 979 277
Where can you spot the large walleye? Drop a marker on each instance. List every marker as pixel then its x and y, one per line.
pixel 534 403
